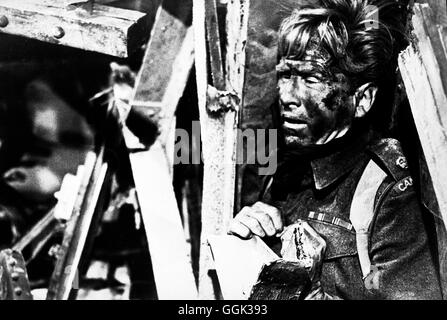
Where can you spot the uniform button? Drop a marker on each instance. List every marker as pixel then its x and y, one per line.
pixel 3 21
pixel 58 32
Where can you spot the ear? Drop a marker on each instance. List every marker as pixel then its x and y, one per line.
pixel 364 98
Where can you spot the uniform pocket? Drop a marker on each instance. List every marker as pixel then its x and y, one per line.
pixel 340 242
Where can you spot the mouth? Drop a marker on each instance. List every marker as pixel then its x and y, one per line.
pixel 293 128
pixel 293 120
pixel 293 117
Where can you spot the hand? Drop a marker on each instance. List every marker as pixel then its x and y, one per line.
pixel 260 219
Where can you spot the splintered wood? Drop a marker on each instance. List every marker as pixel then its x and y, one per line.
pixel 158 89
pixel 166 66
pixel 218 128
pixel 78 228
pixel 108 30
pixel 423 66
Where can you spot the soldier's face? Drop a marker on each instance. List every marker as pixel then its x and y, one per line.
pixel 316 105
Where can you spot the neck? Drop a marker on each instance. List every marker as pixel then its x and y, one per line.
pixel 357 134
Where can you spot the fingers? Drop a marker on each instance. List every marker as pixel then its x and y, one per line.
pixel 274 214
pixel 239 229
pixel 253 224
pixel 245 225
pixel 265 222
pixel 261 220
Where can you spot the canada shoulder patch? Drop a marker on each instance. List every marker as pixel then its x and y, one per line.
pixel 404 184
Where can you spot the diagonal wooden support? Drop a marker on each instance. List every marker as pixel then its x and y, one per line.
pixel 159 87
pixel 78 228
pixel 439 9
pixel 423 66
pixel 219 127
pixel 113 31
pixel 166 65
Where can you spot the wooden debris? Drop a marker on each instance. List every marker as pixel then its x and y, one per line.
pixel 439 9
pixel 14 283
pixel 166 66
pixel 168 249
pixel 159 87
pixel 219 134
pixel 38 236
pixel 113 31
pixel 423 66
pixel 77 231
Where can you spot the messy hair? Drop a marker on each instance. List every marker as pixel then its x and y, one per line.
pixel 359 35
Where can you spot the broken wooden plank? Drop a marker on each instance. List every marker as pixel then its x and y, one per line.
pixel 219 133
pixel 168 248
pixel 77 231
pixel 424 70
pixel 423 66
pixel 159 86
pixel 439 9
pixel 167 64
pixel 38 236
pixel 113 31
pixel 54 221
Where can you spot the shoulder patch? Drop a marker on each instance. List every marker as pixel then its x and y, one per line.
pixel 404 184
pixel 389 154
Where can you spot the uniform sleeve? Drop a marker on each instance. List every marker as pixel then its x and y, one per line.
pixel 399 250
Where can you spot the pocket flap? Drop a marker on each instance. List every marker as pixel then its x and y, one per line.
pixel 340 242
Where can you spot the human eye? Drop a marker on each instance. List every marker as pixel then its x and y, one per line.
pixel 313 79
pixel 283 71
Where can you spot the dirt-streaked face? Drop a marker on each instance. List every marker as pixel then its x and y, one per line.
pixel 316 105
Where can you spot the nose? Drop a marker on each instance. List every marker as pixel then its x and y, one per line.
pixel 290 92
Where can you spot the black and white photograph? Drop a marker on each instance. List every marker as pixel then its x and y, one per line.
pixel 241 151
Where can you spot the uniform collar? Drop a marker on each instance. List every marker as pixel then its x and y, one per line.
pixel 330 168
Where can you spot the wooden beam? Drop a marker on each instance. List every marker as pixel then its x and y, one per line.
pixel 167 64
pixel 113 31
pixel 168 249
pixel 214 45
pixel 423 66
pixel 159 87
pixel 439 9
pixel 219 134
pixel 78 228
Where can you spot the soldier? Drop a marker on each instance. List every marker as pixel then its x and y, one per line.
pixel 339 173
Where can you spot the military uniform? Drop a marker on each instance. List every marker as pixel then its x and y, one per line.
pixel 320 191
